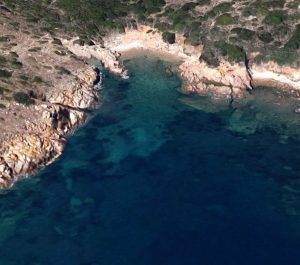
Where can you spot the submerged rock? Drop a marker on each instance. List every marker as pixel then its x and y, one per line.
pixel 243 122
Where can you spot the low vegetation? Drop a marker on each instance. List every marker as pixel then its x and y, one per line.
pixel 233 52
pixel 243 33
pixel 251 25
pixel 275 17
pixel 169 37
pixel 3 90
pixel 225 19
pixel 5 74
pixel 23 98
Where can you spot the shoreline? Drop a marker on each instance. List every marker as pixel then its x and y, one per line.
pixel 228 79
pixel 42 143
pixel 24 155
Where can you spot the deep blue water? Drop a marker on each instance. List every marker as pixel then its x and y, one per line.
pixel 150 180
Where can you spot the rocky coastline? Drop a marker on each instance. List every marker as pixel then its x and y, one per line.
pixel 41 142
pixel 228 79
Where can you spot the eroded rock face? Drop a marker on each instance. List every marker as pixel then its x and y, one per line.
pixel 229 79
pixel 108 57
pixel 235 79
pixel 225 80
pixel 41 143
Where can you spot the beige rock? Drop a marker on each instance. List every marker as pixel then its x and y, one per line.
pixel 43 142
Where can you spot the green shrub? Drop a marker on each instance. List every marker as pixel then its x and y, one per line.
pixel 14 54
pixel 35 49
pixel 2 106
pixel 169 37
pixel 180 18
pixel 154 3
pixel 24 77
pixel 23 98
pixel 203 2
pixel 193 37
pixel 4 39
pixel 62 70
pixel 222 8
pixel 43 41
pixel 225 19
pixel 189 6
pixel 265 37
pixel 262 7
pixel 16 64
pixel 56 41
pixel 254 10
pixel 209 56
pixel 162 26
pixel 3 60
pixel 4 73
pixel 244 34
pixel 15 24
pixel 37 79
pixel 3 90
pixel 283 56
pixel 233 52
pixel 294 42
pixel 272 4
pixel 275 17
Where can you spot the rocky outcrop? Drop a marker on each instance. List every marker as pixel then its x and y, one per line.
pixel 41 143
pixel 228 79
pixel 108 57
pixel 273 75
pixel 224 80
pixel 235 79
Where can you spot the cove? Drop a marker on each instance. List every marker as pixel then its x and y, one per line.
pixel 157 177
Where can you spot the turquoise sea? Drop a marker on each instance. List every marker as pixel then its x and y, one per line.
pixel 157 177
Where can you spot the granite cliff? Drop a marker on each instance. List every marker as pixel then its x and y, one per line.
pixel 41 142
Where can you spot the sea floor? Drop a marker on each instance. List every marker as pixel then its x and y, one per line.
pixel 159 177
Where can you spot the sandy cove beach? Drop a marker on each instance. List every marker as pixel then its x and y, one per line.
pixel 228 79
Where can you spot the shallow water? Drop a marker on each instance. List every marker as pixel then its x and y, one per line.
pixel 152 180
